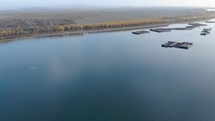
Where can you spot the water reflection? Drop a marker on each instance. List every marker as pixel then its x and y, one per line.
pixel 68 34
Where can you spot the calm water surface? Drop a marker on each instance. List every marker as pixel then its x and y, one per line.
pixel 109 77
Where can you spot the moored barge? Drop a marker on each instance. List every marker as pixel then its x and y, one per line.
pixel 182 45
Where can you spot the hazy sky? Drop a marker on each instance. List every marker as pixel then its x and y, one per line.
pixel 7 4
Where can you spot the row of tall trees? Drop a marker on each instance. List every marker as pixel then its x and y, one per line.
pixel 113 24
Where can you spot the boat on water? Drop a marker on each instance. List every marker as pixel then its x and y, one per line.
pixel 206 31
pixel 209 21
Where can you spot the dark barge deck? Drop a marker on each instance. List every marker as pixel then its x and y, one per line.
pixel 140 32
pixel 181 45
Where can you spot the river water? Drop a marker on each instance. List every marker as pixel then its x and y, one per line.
pixel 112 76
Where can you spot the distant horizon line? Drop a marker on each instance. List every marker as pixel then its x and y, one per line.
pixel 96 6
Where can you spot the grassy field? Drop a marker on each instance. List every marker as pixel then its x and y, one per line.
pixel 136 14
pixel 98 15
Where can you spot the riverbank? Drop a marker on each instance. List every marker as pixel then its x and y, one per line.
pixel 79 33
pixel 100 30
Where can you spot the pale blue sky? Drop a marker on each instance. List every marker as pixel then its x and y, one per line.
pixel 7 4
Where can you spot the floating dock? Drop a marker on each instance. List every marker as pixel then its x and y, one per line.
pixel 184 28
pixel 209 21
pixel 159 30
pixel 197 24
pixel 190 27
pixel 181 45
pixel 140 32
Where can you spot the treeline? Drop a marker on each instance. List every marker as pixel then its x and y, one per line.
pixel 11 32
pixel 20 31
pixel 193 18
pixel 116 24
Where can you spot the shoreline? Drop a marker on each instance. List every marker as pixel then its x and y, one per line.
pixel 92 31
pixel 81 33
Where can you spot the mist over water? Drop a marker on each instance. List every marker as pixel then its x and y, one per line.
pixel 113 76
